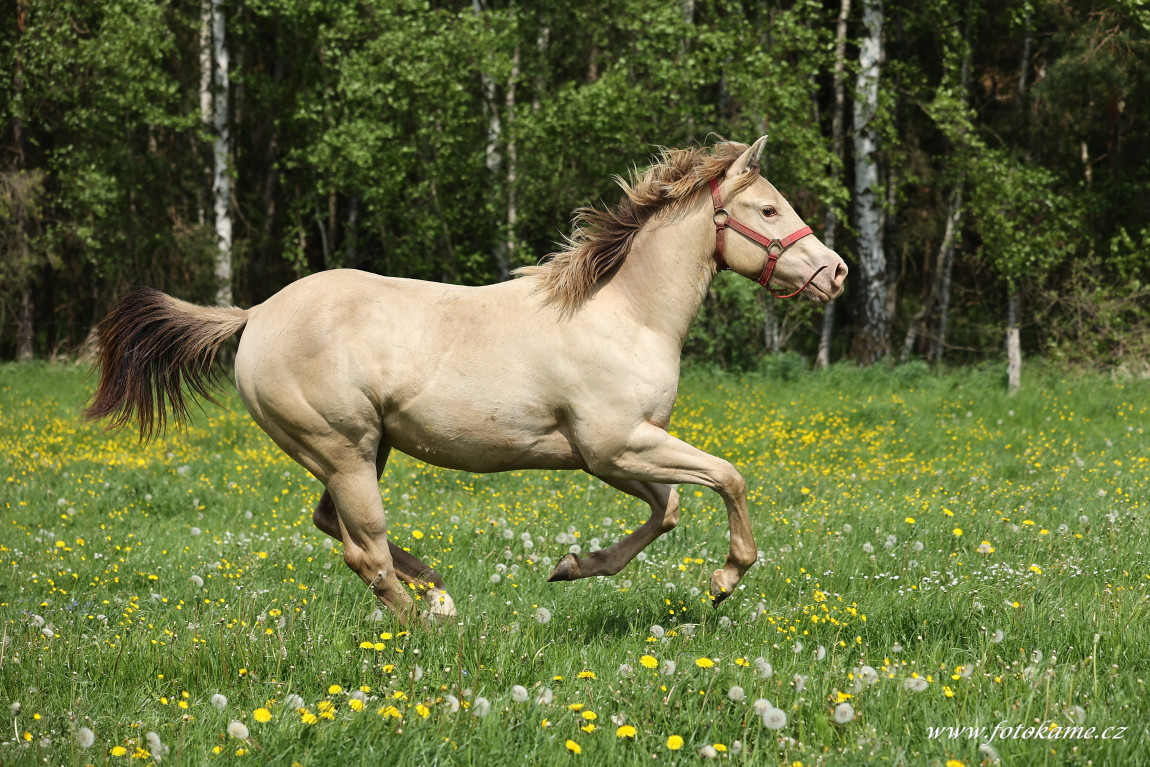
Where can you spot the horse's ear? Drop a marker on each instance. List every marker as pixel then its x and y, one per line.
pixel 748 161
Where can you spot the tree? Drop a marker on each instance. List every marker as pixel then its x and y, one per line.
pixel 872 337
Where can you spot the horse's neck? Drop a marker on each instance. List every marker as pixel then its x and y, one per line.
pixel 665 277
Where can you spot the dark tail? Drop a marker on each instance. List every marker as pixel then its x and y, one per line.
pixel 152 346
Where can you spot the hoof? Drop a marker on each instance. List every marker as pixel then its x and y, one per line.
pixel 566 570
pixel 441 607
pixel 718 592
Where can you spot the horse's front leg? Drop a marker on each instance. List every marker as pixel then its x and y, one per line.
pixel 650 454
pixel 664 503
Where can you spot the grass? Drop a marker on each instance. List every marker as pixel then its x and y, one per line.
pixel 935 554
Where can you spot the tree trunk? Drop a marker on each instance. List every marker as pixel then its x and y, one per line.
pixel 494 154
pixel 512 170
pixel 872 339
pixel 221 150
pixel 1013 342
pixel 823 357
pixel 25 327
pixel 945 270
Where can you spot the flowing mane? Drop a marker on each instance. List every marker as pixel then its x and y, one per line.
pixel 601 237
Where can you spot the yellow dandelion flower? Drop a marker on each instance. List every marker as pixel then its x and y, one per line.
pixel 355 704
pixel 573 747
pixel 308 717
pixel 675 742
pixel 704 663
pixel 1036 569
pixel 116 751
pixel 589 727
pixel 335 689
pixel 626 731
pixel 649 661
pixel 590 715
pixel 586 674
pixel 720 747
pixel 741 662
pixel 957 531
pixel 366 645
pixel 262 715
pixel 575 706
pixel 955 763
pixel 389 712
pixel 422 710
pixel 910 520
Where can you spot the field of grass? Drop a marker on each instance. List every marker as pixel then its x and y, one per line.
pixel 934 554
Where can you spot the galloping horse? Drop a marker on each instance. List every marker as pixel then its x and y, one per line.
pixel 573 365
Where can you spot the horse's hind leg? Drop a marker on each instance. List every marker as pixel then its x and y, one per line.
pixel 408 567
pixel 664 502
pixel 363 530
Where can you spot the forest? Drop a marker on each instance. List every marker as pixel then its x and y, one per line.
pixel 983 167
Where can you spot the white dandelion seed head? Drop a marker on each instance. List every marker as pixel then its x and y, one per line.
pixel 626 671
pixel 452 703
pixel 238 729
pixel 1078 714
pixel 774 718
pixel 915 684
pixel 37 621
pixel 481 707
pixel 708 752
pixel 761 706
pixel 989 753
pixel 896 647
pixel 15 708
pixel 496 577
pixel 359 695
pixel 219 701
pixel 153 741
pixel 1037 656
pixel 575 549
pixel 820 652
pixel 917 546
pixel 763 668
pixel 657 631
pixel 867 674
pixel 736 693
pixel 85 737
pixel 847 529
pixel 519 693
pixel 736 748
pixel 197 581
pixel 867 548
pixel 799 682
pixel 724 622
pixel 966 670
pixel 417 673
pixel 619 719
pixel 997 636
pixel 293 701
pixel 668 668
pixel 844 712
pixel 798 648
pixel 542 614
pixel 546 695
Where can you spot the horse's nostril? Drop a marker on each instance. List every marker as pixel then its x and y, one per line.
pixel 840 273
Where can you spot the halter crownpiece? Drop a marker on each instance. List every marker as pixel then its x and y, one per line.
pixel 775 246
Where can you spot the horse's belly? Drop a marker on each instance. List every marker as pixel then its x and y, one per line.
pixel 482 447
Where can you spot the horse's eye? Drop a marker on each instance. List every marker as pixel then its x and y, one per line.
pixel 769 212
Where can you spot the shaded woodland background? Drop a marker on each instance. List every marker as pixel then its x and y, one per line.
pixel 984 167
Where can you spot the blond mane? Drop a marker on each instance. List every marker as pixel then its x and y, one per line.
pixel 602 237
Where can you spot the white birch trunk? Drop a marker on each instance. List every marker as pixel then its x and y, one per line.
pixel 872 342
pixel 823 357
pixel 1013 343
pixel 221 150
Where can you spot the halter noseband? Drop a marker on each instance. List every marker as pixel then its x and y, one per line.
pixel 775 247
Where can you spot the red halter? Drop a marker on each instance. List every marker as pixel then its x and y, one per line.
pixel 775 247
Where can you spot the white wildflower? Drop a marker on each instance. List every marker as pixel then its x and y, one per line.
pixel 85 737
pixel 519 693
pixel 736 693
pixel 481 707
pixel 219 701
pixel 238 729
pixel 844 712
pixel 774 719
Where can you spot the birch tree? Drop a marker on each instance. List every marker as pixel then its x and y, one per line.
pixel 221 151
pixel 872 337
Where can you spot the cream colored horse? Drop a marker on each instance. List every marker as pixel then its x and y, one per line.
pixel 574 365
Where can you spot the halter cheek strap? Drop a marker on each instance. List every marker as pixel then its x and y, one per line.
pixel 775 247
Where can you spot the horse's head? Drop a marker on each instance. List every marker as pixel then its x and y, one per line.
pixel 776 247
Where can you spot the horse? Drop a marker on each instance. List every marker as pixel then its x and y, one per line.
pixel 573 364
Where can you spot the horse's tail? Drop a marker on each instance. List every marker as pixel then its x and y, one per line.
pixel 151 347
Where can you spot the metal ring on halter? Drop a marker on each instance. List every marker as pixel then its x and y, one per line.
pixel 724 215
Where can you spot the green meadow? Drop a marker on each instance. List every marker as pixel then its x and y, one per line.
pixel 948 576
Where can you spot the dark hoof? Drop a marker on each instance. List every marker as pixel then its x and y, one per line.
pixel 566 570
pixel 718 593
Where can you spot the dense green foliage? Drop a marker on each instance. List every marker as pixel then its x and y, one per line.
pixel 934 553
pixel 450 141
